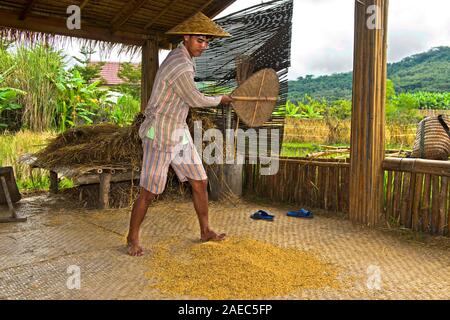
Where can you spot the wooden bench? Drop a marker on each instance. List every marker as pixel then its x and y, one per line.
pixel 101 176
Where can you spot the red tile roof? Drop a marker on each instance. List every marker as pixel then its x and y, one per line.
pixel 109 73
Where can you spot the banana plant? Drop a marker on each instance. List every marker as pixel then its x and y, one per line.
pixel 8 96
pixel 78 102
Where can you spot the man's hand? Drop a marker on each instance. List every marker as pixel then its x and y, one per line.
pixel 226 100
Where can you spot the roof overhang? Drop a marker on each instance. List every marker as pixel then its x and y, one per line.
pixel 115 21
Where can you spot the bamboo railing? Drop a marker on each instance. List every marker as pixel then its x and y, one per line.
pixel 321 183
pixel 416 192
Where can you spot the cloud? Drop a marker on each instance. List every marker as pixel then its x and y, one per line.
pixel 323 31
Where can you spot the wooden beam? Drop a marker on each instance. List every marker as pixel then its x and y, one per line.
pixel 212 10
pixel 83 4
pixel 27 9
pixel 122 17
pixel 368 114
pixel 160 14
pixel 56 26
pixel 435 167
pixel 150 65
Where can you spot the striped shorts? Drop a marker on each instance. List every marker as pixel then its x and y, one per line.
pixel 184 160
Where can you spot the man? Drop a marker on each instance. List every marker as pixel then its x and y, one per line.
pixel 164 133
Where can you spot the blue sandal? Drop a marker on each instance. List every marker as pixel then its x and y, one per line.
pixel 262 215
pixel 302 213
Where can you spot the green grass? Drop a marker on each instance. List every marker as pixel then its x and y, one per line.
pixel 303 149
pixel 12 146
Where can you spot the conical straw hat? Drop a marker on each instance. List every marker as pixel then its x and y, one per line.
pixel 199 24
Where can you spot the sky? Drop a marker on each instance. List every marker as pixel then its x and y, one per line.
pixel 322 37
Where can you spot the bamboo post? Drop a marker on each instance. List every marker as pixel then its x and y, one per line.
pixel 346 176
pixel 425 208
pixel 405 198
pixel 389 211
pixel 368 114
pixel 341 194
pixel 326 188
pixel 448 209
pixel 417 199
pixel 443 204
pixel 398 178
pixel 332 198
pixel 150 64
pixel 434 203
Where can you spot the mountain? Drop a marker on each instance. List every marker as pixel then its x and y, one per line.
pixel 427 71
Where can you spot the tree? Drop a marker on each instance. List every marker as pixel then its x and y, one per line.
pixel 88 70
pixel 131 75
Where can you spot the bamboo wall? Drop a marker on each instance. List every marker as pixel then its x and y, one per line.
pixel 320 184
pixel 416 192
pixel 417 195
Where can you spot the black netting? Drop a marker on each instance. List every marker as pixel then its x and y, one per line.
pixel 262 34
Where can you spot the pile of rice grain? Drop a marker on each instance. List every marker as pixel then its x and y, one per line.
pixel 236 269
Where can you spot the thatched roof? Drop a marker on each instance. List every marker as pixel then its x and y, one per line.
pixel 113 21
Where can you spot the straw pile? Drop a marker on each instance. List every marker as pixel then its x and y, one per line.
pixel 236 269
pixel 103 145
pixel 99 145
pixel 108 146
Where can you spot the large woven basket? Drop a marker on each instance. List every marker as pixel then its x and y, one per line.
pixel 432 139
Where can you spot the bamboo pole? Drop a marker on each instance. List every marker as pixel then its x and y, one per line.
pixel 425 208
pixel 332 189
pixel 389 186
pixel 320 186
pixel 448 209
pixel 398 178
pixel 326 199
pixel 417 198
pixel 406 199
pixel 408 222
pixel 443 205
pixel 239 98
pixel 346 189
pixel 435 203
pixel 368 116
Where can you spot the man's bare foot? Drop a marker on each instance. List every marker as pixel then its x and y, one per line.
pixel 212 236
pixel 134 249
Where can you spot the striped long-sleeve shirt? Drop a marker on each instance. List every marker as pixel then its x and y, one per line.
pixel 174 92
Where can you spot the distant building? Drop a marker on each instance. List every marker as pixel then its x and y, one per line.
pixel 109 73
